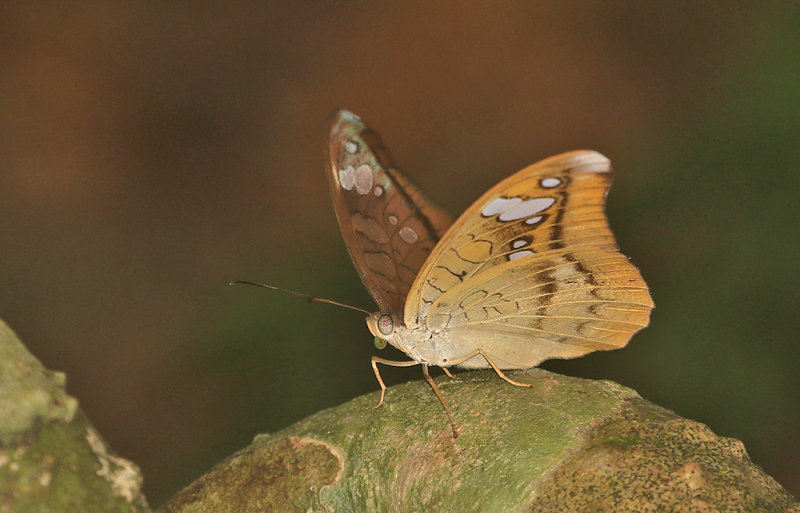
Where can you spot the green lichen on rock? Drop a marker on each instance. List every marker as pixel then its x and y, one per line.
pixel 51 459
pixel 643 460
pixel 566 444
pixel 29 393
pixel 286 472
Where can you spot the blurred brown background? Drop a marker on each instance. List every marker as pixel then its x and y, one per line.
pixel 150 152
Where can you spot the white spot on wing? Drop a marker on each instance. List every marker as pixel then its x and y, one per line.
pixel 551 182
pixel 526 209
pixel 350 147
pixel 533 220
pixel 378 190
pixel 393 220
pixel 363 179
pixel 347 178
pixel 591 162
pixel 408 235
pixel 520 254
pixel 594 168
pixel 498 205
pixel 519 243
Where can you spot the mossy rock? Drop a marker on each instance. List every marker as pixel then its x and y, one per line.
pixel 566 444
pixel 51 458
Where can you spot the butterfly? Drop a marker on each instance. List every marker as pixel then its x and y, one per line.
pixel 529 272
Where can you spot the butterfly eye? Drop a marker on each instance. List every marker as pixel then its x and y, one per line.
pixel 385 325
pixel 379 343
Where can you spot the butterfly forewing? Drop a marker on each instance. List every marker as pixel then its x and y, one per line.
pixel 531 271
pixel 388 225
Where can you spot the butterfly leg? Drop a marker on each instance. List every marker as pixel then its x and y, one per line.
pixel 436 391
pixel 449 375
pixel 375 362
pixel 491 363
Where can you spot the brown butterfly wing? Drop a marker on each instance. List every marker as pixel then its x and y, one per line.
pixel 531 271
pixel 388 225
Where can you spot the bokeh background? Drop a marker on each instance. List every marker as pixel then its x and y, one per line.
pixel 152 151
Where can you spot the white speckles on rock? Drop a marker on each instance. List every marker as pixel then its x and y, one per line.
pixel 45 478
pixel 498 205
pixel 363 179
pixel 408 235
pixel 351 147
pixel 526 209
pixel 347 178
pixel 520 254
pixel 378 191
pixel 393 220
pixel 549 183
pixel 122 474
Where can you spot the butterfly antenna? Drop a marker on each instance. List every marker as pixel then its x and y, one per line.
pixel 310 298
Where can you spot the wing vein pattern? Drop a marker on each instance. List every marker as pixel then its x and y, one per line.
pixel 388 224
pixel 531 271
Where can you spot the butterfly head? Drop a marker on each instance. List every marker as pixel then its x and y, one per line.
pixel 383 326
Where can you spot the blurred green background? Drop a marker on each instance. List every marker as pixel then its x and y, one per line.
pixel 152 151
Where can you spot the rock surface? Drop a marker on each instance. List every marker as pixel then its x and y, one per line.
pixel 51 458
pixel 567 444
